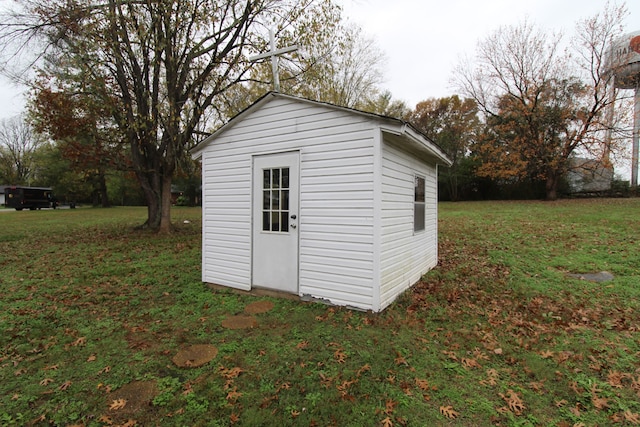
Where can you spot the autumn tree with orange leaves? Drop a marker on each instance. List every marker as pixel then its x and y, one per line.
pixel 454 125
pixel 542 105
pixel 84 134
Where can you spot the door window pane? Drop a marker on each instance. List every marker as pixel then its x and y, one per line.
pixel 266 200
pixel 266 221
pixel 275 200
pixel 266 178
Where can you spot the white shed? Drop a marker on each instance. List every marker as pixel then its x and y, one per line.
pixel 320 201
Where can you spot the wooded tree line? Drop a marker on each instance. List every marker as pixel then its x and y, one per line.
pixel 124 88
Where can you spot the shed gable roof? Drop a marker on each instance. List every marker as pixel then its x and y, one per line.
pixel 397 129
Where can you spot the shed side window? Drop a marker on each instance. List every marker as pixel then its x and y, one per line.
pixel 418 205
pixel 275 200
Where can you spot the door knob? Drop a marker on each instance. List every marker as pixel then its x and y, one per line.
pixel 293 217
pixel 293 226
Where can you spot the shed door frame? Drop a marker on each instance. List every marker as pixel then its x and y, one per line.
pixel 275 215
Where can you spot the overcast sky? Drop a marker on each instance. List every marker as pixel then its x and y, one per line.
pixel 423 39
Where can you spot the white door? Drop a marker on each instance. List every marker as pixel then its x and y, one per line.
pixel 275 221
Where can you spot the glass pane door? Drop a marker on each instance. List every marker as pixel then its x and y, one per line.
pixel 275 200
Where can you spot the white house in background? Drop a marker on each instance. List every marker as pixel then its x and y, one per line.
pixel 320 201
pixel 589 176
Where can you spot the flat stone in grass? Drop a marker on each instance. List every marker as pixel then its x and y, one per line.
pixel 240 322
pixel 603 276
pixel 195 355
pixel 258 307
pixel 132 400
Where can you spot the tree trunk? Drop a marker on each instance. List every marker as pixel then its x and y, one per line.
pixel 152 194
pixel 165 212
pixel 453 185
pixel 103 190
pixel 551 187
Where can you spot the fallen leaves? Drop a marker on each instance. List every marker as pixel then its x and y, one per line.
pixel 79 342
pixel 470 363
pixel 514 402
pixel 546 354
pixel 396 369
pixel 597 401
pixel 631 417
pixel 233 395
pixel 340 356
pixel 46 382
pixel 65 385
pixel 117 404
pixel 422 384
pixel 615 379
pixel 492 378
pixel 448 412
pixel 230 373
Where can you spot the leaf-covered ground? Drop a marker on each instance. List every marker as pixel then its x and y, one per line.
pixel 96 319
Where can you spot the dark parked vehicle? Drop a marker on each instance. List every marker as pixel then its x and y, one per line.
pixel 28 198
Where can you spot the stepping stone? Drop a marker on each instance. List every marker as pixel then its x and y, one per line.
pixel 136 397
pixel 603 276
pixel 240 322
pixel 258 307
pixel 195 355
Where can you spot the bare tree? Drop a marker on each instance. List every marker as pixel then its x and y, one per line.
pixel 18 145
pixel 347 71
pixel 542 105
pixel 159 66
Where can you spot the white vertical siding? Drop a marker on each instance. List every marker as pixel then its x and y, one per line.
pixel 226 217
pixel 336 198
pixel 405 255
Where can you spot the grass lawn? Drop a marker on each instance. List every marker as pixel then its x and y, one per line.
pixel 94 313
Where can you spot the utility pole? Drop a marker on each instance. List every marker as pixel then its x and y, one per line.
pixel 274 53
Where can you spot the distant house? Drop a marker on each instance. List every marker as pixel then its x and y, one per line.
pixel 320 201
pixel 588 176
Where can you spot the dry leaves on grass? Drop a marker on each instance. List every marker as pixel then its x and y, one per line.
pixel 340 356
pixel 234 395
pixel 449 412
pixel 118 404
pixel 514 402
pixel 79 342
pixel 492 378
pixel 632 417
pixel 230 373
pixel 470 363
pixel 65 385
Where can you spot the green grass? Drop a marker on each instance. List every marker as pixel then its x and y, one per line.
pixel 496 335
